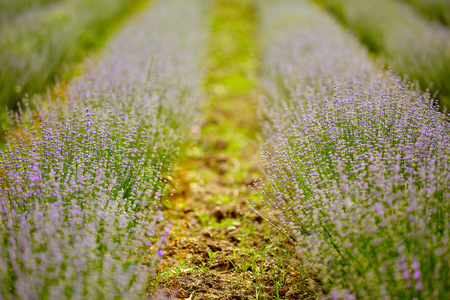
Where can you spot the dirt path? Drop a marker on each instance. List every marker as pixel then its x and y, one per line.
pixel 219 249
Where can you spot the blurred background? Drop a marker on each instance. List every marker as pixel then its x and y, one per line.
pixel 409 36
pixel 42 40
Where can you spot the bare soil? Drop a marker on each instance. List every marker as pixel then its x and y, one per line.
pixel 219 248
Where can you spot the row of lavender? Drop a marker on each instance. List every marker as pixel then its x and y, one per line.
pixel 358 162
pixel 82 178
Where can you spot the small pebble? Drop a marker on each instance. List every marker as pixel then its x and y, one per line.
pixel 231 228
pixel 236 223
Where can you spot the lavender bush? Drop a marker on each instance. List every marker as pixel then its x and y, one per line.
pixel 357 160
pixel 79 209
pixel 82 177
pixel 150 75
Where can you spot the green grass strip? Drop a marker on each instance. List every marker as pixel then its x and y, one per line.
pixel 231 76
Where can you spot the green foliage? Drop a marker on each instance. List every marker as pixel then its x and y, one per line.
pixel 438 10
pixel 9 9
pixel 404 40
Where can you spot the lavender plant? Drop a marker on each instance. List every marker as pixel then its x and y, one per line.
pixel 151 76
pixel 79 208
pixel 82 177
pixel 358 163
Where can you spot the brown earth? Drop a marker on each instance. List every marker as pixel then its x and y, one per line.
pixel 219 249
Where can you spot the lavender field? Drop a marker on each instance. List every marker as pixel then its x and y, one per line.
pixel 357 161
pixel 83 178
pixel 226 149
